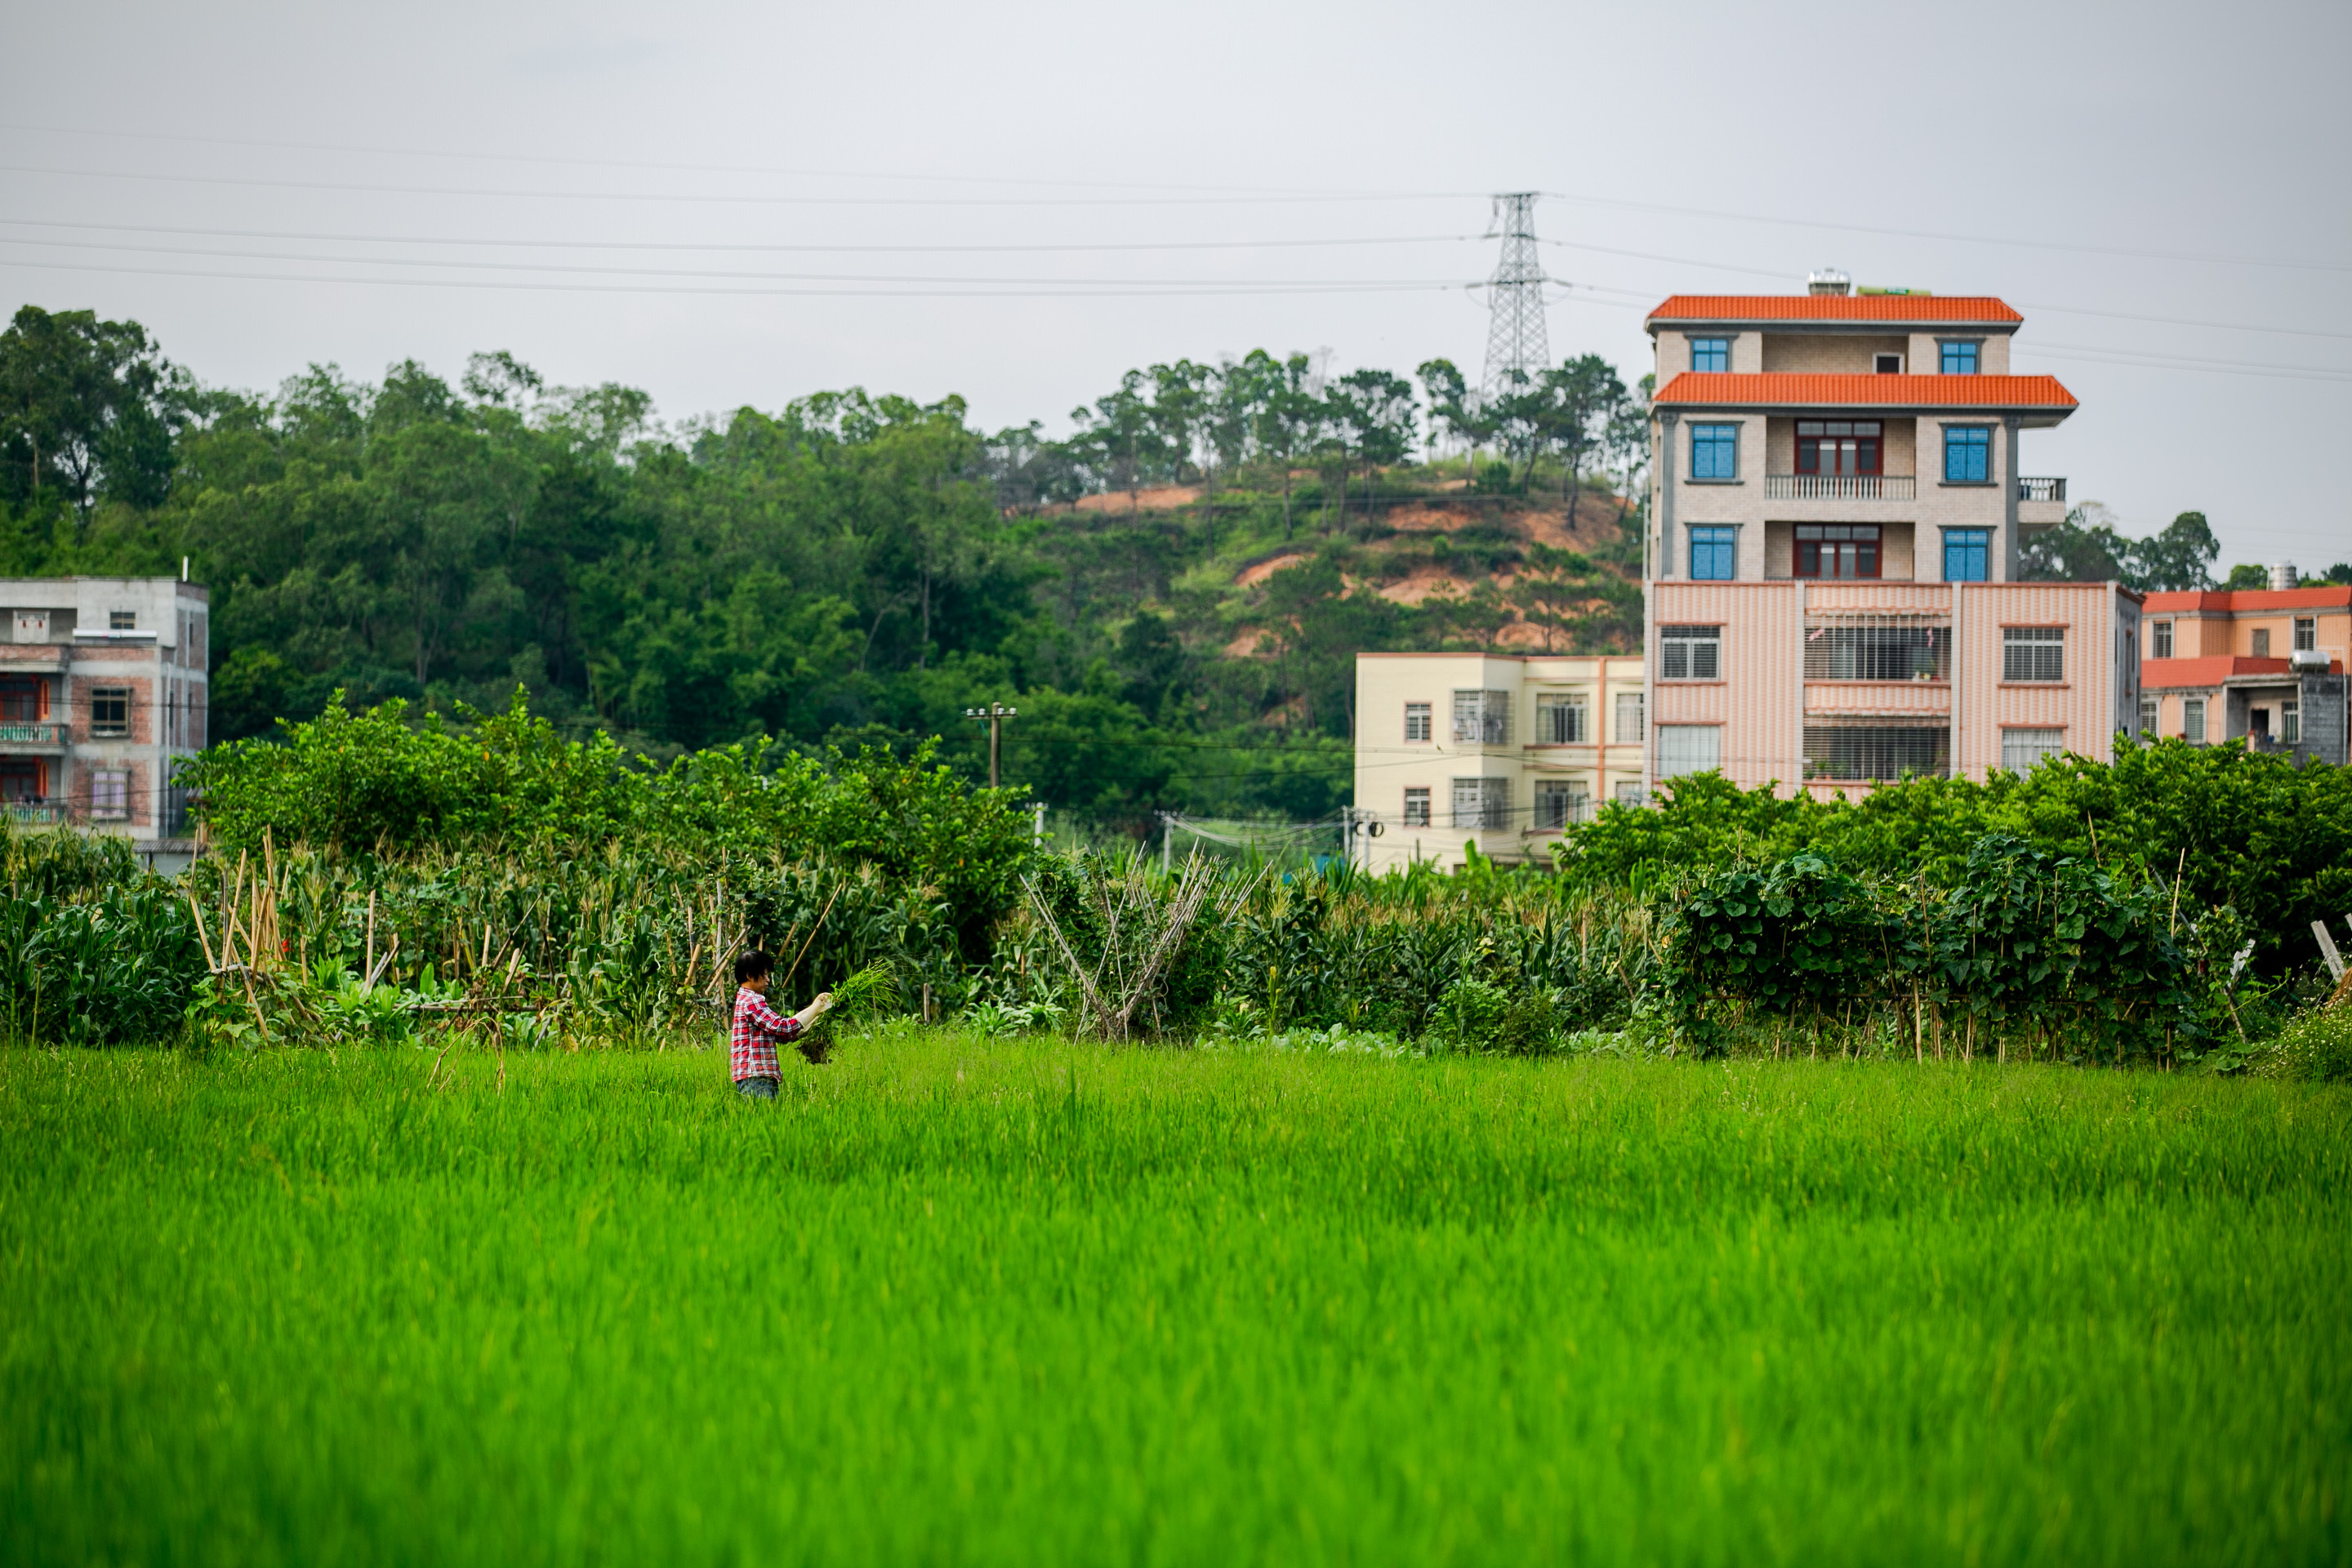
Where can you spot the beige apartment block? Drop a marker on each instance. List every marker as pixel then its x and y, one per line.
pixel 1506 750
pixel 103 691
pixel 1838 499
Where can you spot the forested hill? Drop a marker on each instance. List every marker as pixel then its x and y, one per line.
pixel 1173 596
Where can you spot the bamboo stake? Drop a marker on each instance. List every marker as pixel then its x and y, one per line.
pixel 198 910
pixel 787 986
pixel 371 939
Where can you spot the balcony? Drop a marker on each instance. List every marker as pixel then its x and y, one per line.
pixel 33 814
pixel 2041 502
pixel 1839 487
pixel 22 732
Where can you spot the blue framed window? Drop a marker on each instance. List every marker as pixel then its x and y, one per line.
pixel 1715 451
pixel 1968 455
pixel 1967 555
pixel 1712 555
pixel 1710 353
pixel 1959 359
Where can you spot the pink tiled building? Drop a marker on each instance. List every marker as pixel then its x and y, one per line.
pixel 1838 502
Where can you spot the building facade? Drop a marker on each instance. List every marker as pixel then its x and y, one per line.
pixel 2265 667
pixel 103 693
pixel 1838 503
pixel 1502 749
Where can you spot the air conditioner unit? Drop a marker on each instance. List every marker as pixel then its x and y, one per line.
pixel 2308 661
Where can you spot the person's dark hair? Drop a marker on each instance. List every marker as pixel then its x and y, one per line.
pixel 752 965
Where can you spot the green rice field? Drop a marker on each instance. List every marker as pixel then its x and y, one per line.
pixel 958 1300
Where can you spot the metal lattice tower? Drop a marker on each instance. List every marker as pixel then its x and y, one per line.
pixel 1517 348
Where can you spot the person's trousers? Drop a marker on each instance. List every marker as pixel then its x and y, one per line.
pixel 756 1088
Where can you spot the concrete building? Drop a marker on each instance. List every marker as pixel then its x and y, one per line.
pixel 1838 502
pixel 2262 666
pixel 102 692
pixel 1505 749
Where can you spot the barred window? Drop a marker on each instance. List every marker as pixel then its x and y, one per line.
pixel 1482 803
pixel 2147 715
pixel 1416 808
pixel 1416 721
pixel 2192 720
pixel 2032 653
pixel 1482 718
pixel 1560 719
pixel 1689 748
pixel 1630 791
pixel 1878 648
pixel 1562 803
pixel 1689 652
pixel 2291 722
pixel 2306 633
pixel 1873 752
pixel 2020 749
pixel 2160 640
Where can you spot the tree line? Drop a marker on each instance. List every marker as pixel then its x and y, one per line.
pixel 851 569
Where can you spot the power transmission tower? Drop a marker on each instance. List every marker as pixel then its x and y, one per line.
pixel 1517 350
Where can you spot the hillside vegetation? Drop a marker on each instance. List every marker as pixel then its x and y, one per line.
pixel 1173 595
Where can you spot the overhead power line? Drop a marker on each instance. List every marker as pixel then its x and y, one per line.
pixel 323 237
pixel 1067 290
pixel 735 199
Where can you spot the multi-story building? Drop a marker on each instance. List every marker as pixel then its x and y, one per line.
pixel 1832 588
pixel 2262 666
pixel 1505 749
pixel 103 691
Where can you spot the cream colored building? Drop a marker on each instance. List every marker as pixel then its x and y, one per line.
pixel 1505 749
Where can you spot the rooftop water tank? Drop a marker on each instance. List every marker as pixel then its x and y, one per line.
pixel 1829 280
pixel 2282 576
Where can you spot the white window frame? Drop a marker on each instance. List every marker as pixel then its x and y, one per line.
pixel 1481 803
pixel 2192 720
pixel 2150 712
pixel 1562 719
pixel 1690 653
pixel 1631 793
pixel 1629 703
pixel 109 794
pixel 1417 806
pixel 2160 639
pixel 2024 745
pixel 1688 748
pixel 2306 633
pixel 1561 804
pixel 2291 721
pixel 2027 652
pixel 1419 715
pixel 1482 718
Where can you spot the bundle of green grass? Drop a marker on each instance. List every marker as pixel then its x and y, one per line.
pixel 864 991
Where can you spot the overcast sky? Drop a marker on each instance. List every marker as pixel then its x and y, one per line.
pixel 2162 190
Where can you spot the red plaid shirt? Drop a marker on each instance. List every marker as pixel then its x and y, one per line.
pixel 758 1029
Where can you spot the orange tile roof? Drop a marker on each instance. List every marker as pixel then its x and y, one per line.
pixel 2222 601
pixel 2171 674
pixel 1925 309
pixel 1780 389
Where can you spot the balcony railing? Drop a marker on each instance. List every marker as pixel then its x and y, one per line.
pixel 25 732
pixel 2041 490
pixel 33 814
pixel 1838 486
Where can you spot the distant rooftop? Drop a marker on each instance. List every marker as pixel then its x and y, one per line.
pixel 1923 308
pixel 1780 389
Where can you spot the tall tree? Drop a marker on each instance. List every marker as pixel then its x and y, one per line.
pixel 87 408
pixel 1371 415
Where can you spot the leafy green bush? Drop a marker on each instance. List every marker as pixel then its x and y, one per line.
pixel 2241 829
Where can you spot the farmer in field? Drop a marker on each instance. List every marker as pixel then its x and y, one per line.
pixel 760 1028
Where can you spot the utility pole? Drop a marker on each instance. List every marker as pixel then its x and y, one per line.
pixel 996 714
pixel 1517 350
